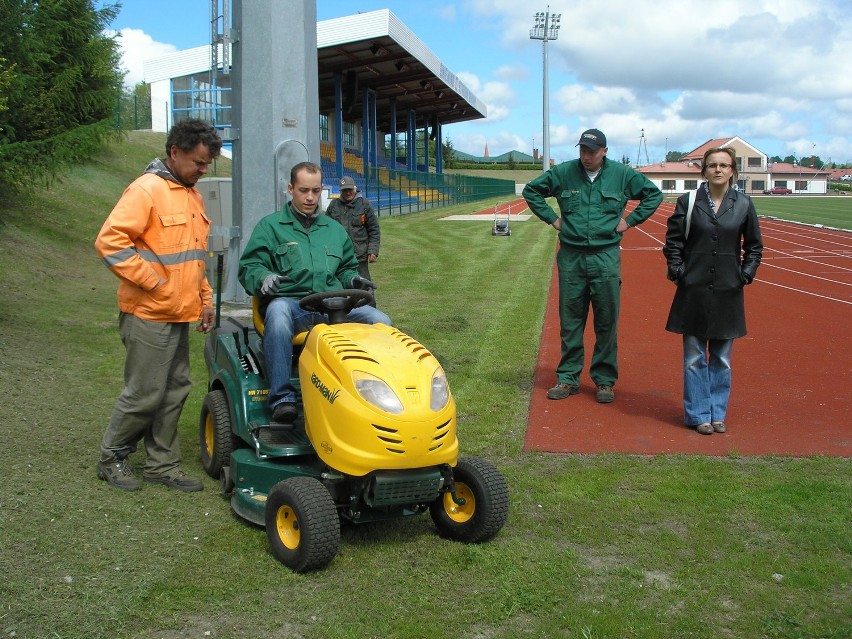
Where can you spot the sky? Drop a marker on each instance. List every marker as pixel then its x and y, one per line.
pixel 653 75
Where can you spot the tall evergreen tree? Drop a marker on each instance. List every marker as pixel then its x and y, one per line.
pixel 63 78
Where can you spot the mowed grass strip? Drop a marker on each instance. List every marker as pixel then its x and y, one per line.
pixel 595 546
pixel 833 211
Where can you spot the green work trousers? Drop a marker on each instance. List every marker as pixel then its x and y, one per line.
pixel 586 278
pixel 156 385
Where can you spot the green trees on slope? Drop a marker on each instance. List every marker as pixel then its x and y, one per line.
pixel 59 81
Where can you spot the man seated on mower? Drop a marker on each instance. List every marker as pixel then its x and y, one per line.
pixel 293 253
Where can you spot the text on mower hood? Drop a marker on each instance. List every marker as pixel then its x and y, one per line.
pixel 324 390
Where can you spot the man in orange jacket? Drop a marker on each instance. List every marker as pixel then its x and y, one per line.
pixel 155 241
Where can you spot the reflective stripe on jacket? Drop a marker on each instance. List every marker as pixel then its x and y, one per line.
pixel 158 230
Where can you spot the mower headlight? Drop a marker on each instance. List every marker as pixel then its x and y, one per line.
pixel 440 390
pixel 377 392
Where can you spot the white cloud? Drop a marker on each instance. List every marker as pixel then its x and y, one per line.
pixel 511 73
pixel 136 46
pixel 497 96
pixel 446 12
pixel 575 98
pixel 770 71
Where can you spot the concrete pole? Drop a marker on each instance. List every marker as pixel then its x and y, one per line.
pixel 275 110
pixel 545 161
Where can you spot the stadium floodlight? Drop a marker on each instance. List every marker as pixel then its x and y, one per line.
pixel 546 28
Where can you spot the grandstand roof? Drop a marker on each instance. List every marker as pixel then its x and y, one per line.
pixel 372 50
pixel 376 50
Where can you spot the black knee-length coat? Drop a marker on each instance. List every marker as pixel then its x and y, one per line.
pixel 712 265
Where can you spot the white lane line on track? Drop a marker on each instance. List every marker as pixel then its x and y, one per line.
pixel 810 275
pixel 779 254
pixel 803 259
pixel 798 290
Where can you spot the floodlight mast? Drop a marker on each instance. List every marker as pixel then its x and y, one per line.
pixel 546 28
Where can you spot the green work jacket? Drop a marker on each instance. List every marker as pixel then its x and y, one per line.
pixel 360 221
pixel 317 259
pixel 592 210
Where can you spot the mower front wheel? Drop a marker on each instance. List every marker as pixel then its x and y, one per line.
pixel 485 508
pixel 302 524
pixel 215 437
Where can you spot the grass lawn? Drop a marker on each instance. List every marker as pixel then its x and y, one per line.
pixel 830 211
pixel 596 546
pixel 833 211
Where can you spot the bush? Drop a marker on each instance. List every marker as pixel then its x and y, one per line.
pixel 26 162
pixel 518 166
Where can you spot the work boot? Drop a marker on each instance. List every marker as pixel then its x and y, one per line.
pixel 117 473
pixel 179 480
pixel 285 413
pixel 605 394
pixel 561 391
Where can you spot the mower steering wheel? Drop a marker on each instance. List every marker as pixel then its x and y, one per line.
pixel 336 304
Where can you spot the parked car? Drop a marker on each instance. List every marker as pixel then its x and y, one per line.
pixel 846 178
pixel 777 191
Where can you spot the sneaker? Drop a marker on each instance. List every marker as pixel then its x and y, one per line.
pixel 605 394
pixel 179 480
pixel 117 473
pixel 561 391
pixel 285 413
pixel 704 429
pixel 719 427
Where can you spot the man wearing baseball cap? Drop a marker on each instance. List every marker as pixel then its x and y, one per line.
pixel 592 193
pixel 356 214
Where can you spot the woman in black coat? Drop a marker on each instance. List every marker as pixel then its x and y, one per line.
pixel 711 254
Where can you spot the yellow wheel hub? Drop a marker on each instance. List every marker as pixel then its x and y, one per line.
pixel 287 525
pixel 208 435
pixel 463 513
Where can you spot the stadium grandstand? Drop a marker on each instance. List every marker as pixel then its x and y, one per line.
pixel 383 96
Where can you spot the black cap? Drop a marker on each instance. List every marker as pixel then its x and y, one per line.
pixel 593 139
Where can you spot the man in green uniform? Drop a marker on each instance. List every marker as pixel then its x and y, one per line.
pixel 290 254
pixel 592 193
pixel 356 215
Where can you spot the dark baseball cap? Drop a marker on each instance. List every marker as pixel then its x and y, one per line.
pixel 347 183
pixel 593 139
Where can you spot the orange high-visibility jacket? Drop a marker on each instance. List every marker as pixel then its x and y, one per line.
pixel 158 231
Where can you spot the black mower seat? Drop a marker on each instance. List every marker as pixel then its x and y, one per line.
pixel 257 318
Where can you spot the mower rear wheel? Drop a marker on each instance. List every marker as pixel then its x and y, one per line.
pixel 485 508
pixel 302 524
pixel 214 430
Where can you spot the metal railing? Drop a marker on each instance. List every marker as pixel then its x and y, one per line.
pixel 395 192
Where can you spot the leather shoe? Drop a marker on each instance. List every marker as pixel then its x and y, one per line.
pixel 285 413
pixel 605 394
pixel 178 480
pixel 561 391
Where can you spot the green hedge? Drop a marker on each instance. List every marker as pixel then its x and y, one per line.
pixel 504 166
pixel 43 160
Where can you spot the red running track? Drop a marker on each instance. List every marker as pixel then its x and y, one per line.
pixel 791 374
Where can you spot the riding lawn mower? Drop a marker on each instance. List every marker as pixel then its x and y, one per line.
pixel 375 437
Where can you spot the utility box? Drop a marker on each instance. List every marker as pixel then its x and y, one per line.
pixel 224 237
pixel 218 204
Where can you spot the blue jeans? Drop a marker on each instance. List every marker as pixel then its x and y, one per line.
pixel 706 379
pixel 283 320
